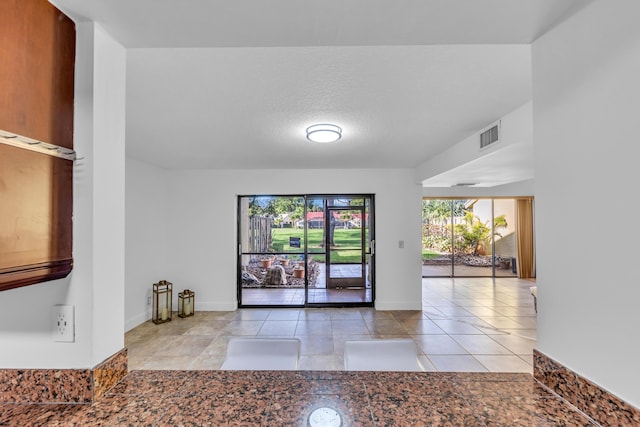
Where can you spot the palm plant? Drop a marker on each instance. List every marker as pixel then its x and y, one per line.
pixel 474 233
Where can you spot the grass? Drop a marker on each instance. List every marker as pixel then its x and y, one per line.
pixel 346 249
pixel 427 254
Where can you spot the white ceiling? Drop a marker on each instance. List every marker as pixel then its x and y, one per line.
pixel 233 84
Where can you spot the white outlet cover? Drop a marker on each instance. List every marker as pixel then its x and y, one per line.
pixel 63 323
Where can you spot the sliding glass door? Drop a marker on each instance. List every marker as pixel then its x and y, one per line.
pixel 470 237
pixel 305 250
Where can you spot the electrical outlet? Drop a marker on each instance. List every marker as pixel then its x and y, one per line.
pixel 63 323
pixel 148 300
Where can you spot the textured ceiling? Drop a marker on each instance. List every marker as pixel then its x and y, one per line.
pixel 233 84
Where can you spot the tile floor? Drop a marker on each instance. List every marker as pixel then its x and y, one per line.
pixel 466 324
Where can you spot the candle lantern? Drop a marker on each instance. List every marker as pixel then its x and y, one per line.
pixel 162 300
pixel 186 303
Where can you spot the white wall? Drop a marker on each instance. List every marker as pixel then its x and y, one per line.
pixel 202 222
pixel 147 206
pixel 25 313
pixel 108 195
pixel 516 129
pixel 516 133
pixel 586 110
pixel 522 188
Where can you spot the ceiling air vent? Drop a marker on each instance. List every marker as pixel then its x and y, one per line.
pixel 489 136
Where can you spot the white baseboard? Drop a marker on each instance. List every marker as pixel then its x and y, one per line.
pixel 140 318
pixel 232 306
pixel 136 320
pixel 216 306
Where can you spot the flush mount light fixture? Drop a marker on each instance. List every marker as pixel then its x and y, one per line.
pixel 323 133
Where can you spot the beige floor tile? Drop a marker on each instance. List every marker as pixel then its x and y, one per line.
pixel 421 327
pixel 370 314
pixel 457 325
pixel 339 340
pixel 349 327
pixel 454 326
pixel 320 363
pixel 526 322
pixel 531 334
pixel 504 363
pixel 427 365
pixel 279 328
pixel 242 327
pixel 516 344
pixel 315 314
pixel 502 322
pixel 342 314
pixel 185 345
pixel 316 345
pixel 438 344
pixel 319 327
pixel 254 314
pixel 457 363
pixel 217 347
pixel 528 359
pixel 283 314
pixel 480 344
pixel 385 327
pixel 208 327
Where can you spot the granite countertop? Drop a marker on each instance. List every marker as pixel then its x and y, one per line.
pixel 288 398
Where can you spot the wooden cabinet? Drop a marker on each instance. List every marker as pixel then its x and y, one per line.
pixel 37 54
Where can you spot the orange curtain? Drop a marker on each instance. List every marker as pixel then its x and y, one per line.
pixel 526 254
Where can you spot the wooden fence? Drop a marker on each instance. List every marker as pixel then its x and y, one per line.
pixel 259 234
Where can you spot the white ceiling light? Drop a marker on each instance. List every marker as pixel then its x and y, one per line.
pixel 324 133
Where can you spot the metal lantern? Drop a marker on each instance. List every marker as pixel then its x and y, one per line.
pixel 186 303
pixel 162 302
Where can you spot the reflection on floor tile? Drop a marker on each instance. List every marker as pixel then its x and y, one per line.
pixel 457 363
pixel 439 344
pixel 480 345
pixel 503 363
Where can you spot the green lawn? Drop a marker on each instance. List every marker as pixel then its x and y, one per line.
pixel 427 254
pixel 346 249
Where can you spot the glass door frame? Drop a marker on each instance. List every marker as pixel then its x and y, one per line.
pixel 329 250
pixel 495 272
pixel 367 248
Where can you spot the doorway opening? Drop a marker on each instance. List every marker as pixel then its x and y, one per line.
pixel 490 237
pixel 306 250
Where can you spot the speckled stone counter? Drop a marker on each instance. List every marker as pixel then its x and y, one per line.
pixel 62 385
pixel 593 400
pixel 273 398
